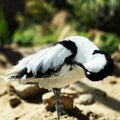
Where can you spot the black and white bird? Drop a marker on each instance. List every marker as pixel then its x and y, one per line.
pixel 69 60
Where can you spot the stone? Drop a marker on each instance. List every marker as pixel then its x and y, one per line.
pixel 14 101
pixel 85 99
pixel 67 100
pixel 68 91
pixel 49 100
pixel 26 91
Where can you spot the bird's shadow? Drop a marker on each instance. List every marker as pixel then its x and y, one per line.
pixel 77 113
pixel 103 98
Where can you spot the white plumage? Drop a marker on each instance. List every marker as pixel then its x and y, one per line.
pixel 57 67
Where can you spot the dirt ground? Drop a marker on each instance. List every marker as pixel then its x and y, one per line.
pixel 105 107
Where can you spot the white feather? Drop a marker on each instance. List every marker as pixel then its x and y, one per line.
pixel 96 64
pixel 85 48
pixel 48 58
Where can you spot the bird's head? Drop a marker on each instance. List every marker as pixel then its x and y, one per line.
pixel 101 66
pixel 96 64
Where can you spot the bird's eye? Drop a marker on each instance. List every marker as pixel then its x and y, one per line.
pixel 88 73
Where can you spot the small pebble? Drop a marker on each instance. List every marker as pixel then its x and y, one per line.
pixel 113 82
pixel 14 101
pixel 85 99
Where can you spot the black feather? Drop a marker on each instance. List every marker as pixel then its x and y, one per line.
pixel 70 46
pixel 20 74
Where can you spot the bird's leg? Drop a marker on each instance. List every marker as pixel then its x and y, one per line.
pixel 58 104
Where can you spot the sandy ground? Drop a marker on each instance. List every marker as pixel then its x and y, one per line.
pixel 105 107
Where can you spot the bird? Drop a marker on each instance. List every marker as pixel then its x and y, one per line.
pixel 57 66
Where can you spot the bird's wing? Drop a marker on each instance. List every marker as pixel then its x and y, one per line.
pixel 48 61
pixel 41 64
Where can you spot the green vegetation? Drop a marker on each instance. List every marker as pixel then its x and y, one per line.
pixel 27 36
pixel 4 32
pixel 33 35
pixel 109 42
pixel 35 22
pixel 92 13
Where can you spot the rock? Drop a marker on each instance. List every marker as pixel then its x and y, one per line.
pixel 112 80
pixel 14 101
pixel 67 101
pixel 49 100
pixel 25 91
pixel 85 99
pixel 69 91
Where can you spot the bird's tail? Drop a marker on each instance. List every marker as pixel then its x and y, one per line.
pixel 15 73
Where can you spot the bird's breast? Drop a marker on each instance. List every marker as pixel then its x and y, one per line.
pixel 63 78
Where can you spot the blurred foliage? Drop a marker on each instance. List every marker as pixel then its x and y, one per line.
pixel 35 21
pixel 27 35
pixel 33 35
pixel 34 24
pixel 36 11
pixel 92 13
pixel 4 32
pixel 109 42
